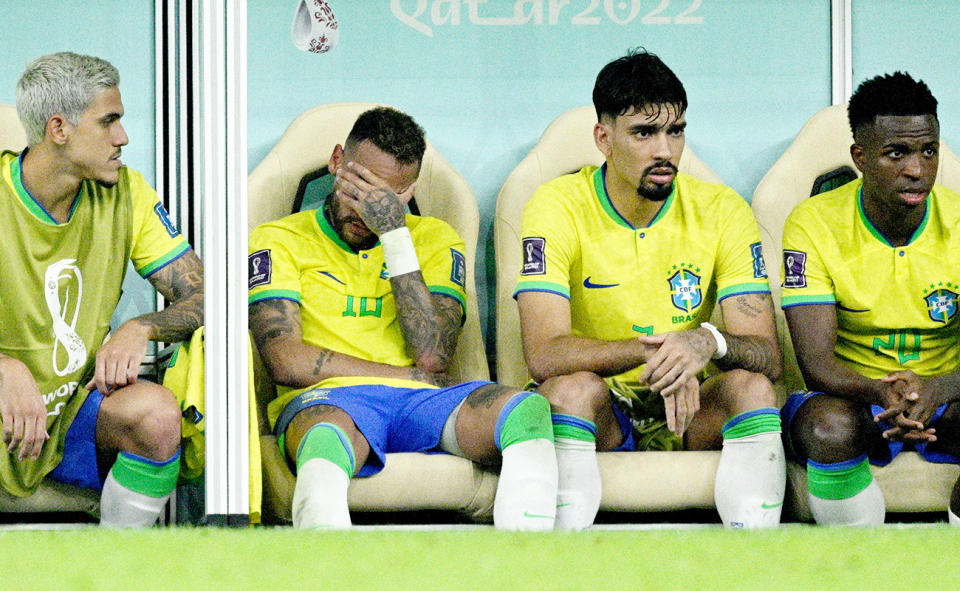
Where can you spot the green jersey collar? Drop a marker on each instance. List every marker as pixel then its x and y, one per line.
pixel 328 230
pixel 876 233
pixel 600 186
pixel 32 205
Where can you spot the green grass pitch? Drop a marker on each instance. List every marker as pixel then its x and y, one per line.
pixel 280 559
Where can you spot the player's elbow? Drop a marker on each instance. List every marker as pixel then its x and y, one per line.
pixel 540 369
pixel 433 362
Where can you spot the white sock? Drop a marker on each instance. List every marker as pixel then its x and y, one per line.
pixel 320 496
pixel 751 478
pixel 864 508
pixel 578 491
pixel 952 518
pixel 527 492
pixel 122 507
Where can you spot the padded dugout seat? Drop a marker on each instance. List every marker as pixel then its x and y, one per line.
pixel 410 481
pixel 51 496
pixel 632 481
pixel 909 483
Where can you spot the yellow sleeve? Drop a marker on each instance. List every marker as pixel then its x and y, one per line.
pixel 549 241
pixel 442 261
pixel 156 241
pixel 740 265
pixel 272 267
pixel 805 276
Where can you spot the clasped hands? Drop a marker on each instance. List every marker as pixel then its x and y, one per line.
pixel 910 403
pixel 673 361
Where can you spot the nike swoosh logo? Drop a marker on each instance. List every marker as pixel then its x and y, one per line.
pixel 773 506
pixel 330 275
pixel 846 309
pixel 535 516
pixel 590 285
pixel 564 505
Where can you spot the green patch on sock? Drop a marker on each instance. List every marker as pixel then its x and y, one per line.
pixel 329 442
pixel 838 484
pixel 147 477
pixel 528 420
pixel 737 427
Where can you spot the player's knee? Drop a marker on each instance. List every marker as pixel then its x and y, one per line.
pixel 752 390
pixel 155 423
pixel 830 435
pixel 582 394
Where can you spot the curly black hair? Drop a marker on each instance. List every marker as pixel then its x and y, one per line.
pixel 392 131
pixel 889 94
pixel 637 80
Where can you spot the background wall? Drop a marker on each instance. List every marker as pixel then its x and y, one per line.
pixel 485 78
pixel 918 37
pixel 119 31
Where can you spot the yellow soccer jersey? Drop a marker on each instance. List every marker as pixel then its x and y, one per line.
pixel 896 306
pixel 702 246
pixel 346 303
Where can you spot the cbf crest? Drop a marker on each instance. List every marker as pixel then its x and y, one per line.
pixel 685 292
pixel 941 303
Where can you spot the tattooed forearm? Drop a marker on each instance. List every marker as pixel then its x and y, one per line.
pixel 321 361
pixel 180 282
pixel 430 325
pixel 752 353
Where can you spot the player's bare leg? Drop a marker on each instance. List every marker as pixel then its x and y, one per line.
pixel 138 430
pixel 583 422
pixel 835 435
pixel 328 449
pixel 497 422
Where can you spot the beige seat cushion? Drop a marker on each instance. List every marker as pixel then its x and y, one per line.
pixel 409 481
pixel 823 144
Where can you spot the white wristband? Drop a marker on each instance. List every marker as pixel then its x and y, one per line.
pixel 721 341
pixel 398 252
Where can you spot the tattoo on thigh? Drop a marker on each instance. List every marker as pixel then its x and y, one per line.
pixel 485 396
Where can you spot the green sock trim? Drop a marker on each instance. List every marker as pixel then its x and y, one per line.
pixel 753 422
pixel 327 441
pixel 525 420
pixel 147 477
pixel 570 427
pixel 834 484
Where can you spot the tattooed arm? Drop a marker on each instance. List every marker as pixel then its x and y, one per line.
pixel 276 329
pixel 181 282
pixel 751 335
pixel 430 323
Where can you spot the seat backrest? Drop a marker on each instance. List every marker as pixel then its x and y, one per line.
pixel 12 136
pixel 566 146
pixel 823 145
pixel 441 192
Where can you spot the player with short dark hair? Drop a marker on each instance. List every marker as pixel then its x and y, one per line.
pixel 871 277
pixel 73 217
pixel 356 308
pixel 623 265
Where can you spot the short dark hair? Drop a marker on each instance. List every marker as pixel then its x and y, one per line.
pixel 889 94
pixel 392 131
pixel 635 80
